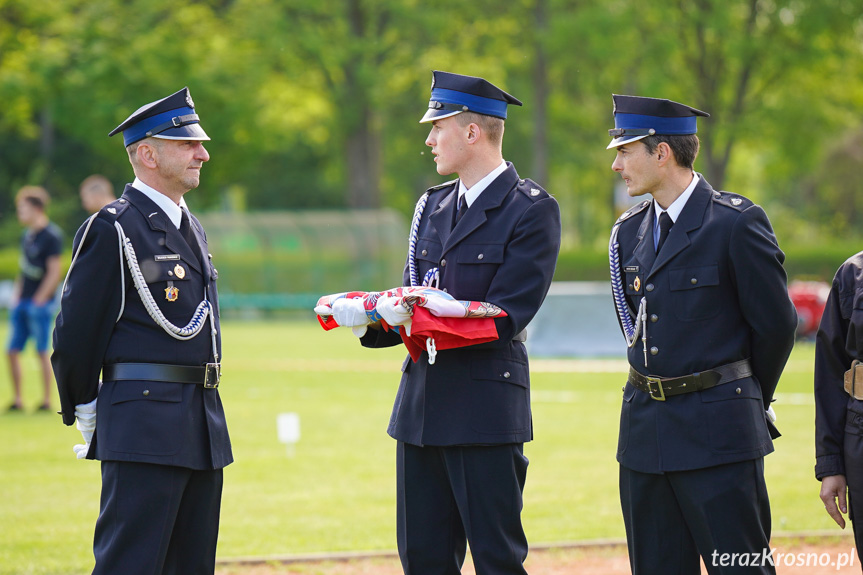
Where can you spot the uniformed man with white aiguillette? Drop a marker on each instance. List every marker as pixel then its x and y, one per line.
pixel 140 307
pixel 701 296
pixel 461 421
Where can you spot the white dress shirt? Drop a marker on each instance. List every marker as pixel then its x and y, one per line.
pixel 674 209
pixel 470 195
pixel 172 210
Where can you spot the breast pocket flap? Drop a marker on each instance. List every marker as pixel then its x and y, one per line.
pixel 693 277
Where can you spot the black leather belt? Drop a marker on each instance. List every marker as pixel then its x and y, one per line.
pixel 206 375
pixel 661 387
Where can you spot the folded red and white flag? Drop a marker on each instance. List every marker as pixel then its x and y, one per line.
pixel 428 318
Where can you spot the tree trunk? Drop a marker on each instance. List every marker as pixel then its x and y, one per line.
pixel 363 161
pixel 362 136
pixel 540 96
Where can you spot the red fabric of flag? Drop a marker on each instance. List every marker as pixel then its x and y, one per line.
pixel 447 332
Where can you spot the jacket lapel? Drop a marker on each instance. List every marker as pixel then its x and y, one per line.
pixel 159 222
pixel 442 217
pixel 690 219
pixel 491 198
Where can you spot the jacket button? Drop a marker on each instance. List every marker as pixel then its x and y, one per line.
pixel 654 350
pixel 693 281
pixel 506 374
pixel 170 273
pixel 442 263
pixel 146 392
pixel 479 257
pixel 737 391
pixel 631 287
pixel 649 287
pixel 654 318
pixel 122 201
pixel 444 290
pixel 622 388
pixel 425 252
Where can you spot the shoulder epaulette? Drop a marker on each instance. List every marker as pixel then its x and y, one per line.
pixel 632 211
pixel 113 210
pixel 531 189
pixel 441 186
pixel 735 201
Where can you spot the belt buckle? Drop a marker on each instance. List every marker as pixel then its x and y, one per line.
pixel 213 374
pixel 654 388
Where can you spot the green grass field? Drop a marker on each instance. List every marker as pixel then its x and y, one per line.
pixel 336 492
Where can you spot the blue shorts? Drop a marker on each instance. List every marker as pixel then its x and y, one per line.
pixel 29 320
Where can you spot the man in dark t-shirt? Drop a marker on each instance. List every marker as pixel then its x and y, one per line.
pixel 35 287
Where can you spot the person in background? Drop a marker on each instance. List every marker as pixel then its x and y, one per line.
pixel 34 292
pixel 96 192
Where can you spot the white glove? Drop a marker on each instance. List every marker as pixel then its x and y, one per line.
pixel 323 310
pixel 392 310
pixel 351 313
pixel 85 415
pixel 771 415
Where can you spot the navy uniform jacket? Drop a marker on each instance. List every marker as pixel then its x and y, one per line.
pixel 716 293
pixel 839 342
pixel 144 421
pixel 502 251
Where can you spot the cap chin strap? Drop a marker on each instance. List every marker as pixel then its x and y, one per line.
pixel 435 105
pixel 623 132
pixel 175 122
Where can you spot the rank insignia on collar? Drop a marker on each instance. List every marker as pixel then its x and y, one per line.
pixel 736 201
pixel 172 293
pixel 112 210
pixel 179 271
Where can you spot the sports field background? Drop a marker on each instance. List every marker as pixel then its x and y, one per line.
pixel 336 493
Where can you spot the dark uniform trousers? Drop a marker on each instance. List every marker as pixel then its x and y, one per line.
pixel 461 423
pixel 162 444
pixel 838 416
pixel 182 507
pixel 674 519
pixel 483 487
pixel 691 466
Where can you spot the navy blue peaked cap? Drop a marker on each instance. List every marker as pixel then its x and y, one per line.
pixel 453 94
pixel 636 117
pixel 171 118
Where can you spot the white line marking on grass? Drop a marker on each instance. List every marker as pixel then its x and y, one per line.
pixel 330 365
pixel 579 366
pixel 794 399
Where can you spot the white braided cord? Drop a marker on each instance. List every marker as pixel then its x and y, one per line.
pixel 195 325
pixel 122 275
pixel 78 251
pixel 432 276
pixel 634 323
pixel 412 239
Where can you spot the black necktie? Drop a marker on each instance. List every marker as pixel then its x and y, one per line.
pixel 665 223
pixel 461 208
pixel 186 231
